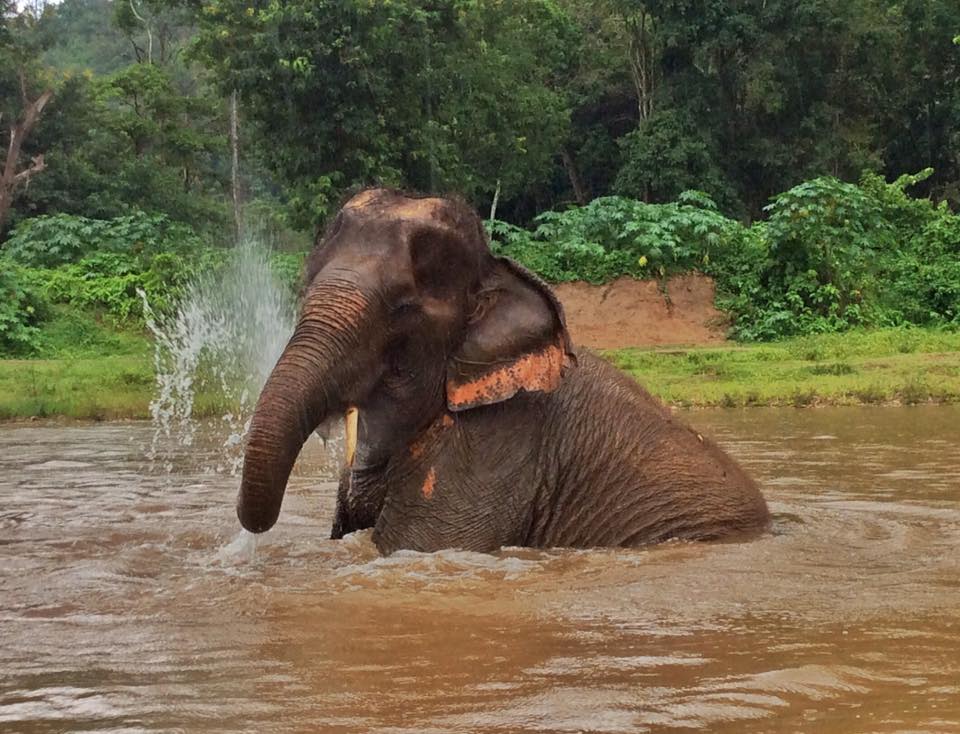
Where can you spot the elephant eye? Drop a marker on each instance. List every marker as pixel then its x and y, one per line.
pixel 404 308
pixel 398 358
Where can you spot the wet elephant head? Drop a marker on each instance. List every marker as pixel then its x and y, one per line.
pixel 405 314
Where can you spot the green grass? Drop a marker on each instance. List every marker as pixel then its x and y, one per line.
pixel 905 366
pixel 89 368
pixel 104 388
pixel 118 386
pixel 108 374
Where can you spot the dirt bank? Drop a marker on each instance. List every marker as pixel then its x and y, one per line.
pixel 635 313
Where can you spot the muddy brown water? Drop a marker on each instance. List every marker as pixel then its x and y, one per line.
pixel 126 604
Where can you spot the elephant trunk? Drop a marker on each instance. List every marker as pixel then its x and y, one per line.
pixel 319 372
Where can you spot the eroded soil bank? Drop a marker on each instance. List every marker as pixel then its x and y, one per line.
pixel 640 313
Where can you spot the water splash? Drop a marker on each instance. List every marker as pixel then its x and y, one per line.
pixel 239 551
pixel 220 345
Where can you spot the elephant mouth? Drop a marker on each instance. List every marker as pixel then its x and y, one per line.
pixel 351 420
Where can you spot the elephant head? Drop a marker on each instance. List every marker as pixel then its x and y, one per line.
pixel 405 314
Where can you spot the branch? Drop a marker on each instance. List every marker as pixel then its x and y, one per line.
pixel 37 164
pixel 149 30
pixel 32 112
pixel 23 87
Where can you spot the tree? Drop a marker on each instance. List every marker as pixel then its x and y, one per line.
pixel 156 31
pixel 450 94
pixel 25 94
pixel 667 155
pixel 920 121
pixel 147 136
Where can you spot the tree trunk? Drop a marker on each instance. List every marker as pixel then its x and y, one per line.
pixel 642 57
pixel 146 25
pixel 235 167
pixel 496 200
pixel 580 191
pixel 19 131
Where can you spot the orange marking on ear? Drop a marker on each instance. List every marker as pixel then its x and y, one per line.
pixel 428 484
pixel 536 372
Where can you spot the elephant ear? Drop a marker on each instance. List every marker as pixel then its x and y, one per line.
pixel 516 340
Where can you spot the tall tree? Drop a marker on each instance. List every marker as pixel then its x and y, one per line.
pixel 921 116
pixel 25 94
pixel 449 94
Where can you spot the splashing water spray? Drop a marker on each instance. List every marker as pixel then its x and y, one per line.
pixel 223 341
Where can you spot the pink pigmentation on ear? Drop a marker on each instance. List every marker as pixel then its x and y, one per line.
pixel 535 372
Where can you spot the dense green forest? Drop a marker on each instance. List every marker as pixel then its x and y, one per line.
pixel 805 153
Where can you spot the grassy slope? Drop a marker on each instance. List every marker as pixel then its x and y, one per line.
pixel 885 366
pixel 118 386
pixel 95 371
pixel 88 368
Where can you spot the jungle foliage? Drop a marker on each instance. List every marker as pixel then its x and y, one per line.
pixel 563 100
pixel 540 104
pixel 752 140
pixel 68 273
pixel 830 255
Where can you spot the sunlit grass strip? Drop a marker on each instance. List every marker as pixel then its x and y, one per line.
pixel 875 367
pixel 107 388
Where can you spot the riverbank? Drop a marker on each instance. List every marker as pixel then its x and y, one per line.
pixel 876 367
pixel 890 366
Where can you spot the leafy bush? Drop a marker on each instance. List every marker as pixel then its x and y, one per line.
pixel 63 266
pixel 921 270
pixel 812 266
pixel 58 239
pixel 22 308
pixel 614 236
pixel 831 255
pixel 102 263
pixel 824 235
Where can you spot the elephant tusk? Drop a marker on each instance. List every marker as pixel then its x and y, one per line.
pixel 351 443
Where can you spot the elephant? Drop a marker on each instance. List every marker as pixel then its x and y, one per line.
pixel 472 421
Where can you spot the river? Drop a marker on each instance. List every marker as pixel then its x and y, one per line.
pixel 128 603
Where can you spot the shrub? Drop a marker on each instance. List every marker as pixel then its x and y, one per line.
pixel 109 282
pixel 823 240
pixel 614 236
pixel 831 255
pixel 59 239
pixel 22 308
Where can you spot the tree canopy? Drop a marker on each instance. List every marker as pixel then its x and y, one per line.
pixel 540 104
